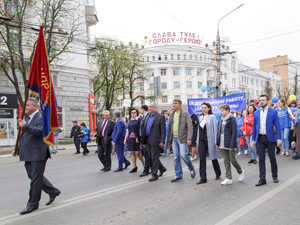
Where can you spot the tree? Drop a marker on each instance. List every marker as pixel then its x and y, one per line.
pixel 61 21
pixel 295 89
pixel 109 57
pixel 268 90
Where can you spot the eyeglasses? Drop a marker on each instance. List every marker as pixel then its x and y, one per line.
pixel 133 112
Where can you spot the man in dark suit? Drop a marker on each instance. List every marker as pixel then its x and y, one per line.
pixel 144 111
pixel 263 137
pixel 34 151
pixel 75 132
pixel 118 136
pixel 104 131
pixel 153 138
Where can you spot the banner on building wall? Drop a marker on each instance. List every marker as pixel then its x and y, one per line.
pixel 236 102
pixel 171 38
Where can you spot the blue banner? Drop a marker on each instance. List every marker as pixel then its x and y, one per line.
pixel 236 102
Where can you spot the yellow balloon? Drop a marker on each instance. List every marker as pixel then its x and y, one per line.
pixel 292 97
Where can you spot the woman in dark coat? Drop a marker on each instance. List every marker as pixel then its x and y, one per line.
pixel 133 139
pixel 195 122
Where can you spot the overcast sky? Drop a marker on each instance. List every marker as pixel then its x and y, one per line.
pixel 259 29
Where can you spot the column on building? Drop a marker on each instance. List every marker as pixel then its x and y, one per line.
pixel 170 93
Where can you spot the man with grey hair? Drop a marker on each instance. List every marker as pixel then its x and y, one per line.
pixel 34 151
pixel 104 131
pixel 118 136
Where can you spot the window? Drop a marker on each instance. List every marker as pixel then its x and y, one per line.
pixel 172 56
pixel 178 56
pixel 204 58
pixel 163 72
pixel 163 85
pixel 166 57
pixel 141 87
pixel 147 58
pixel 252 92
pixel 118 103
pixel 225 63
pixel 188 71
pixel 176 84
pixel 256 92
pixel 151 86
pixel 191 57
pixel 176 71
pixel 153 58
pixel 200 57
pixel 184 56
pixel 176 96
pixel 226 86
pixel 164 99
pixel 233 67
pixel 199 72
pixel 233 82
pixel 54 78
pixel 275 69
pixel 196 57
pixel 18 74
pixel 159 57
pixel 199 85
pixel 60 115
pixel 151 73
pixel 207 73
pixel 142 101
pixel 189 96
pixel 252 82
pixel 225 76
pixel 256 82
pixel 200 96
pixel 189 84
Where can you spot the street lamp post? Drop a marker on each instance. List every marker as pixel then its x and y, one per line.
pixel 218 53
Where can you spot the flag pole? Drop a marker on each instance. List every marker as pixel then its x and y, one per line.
pixel 16 152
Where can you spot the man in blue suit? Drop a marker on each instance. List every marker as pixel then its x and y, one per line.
pixel 118 136
pixel 263 137
pixel 34 151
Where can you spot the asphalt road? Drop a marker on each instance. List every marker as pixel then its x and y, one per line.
pixel 93 197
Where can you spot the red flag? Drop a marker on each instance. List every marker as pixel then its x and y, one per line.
pixel 40 84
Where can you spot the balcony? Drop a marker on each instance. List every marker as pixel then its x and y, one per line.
pixel 90 13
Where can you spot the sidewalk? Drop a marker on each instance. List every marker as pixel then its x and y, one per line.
pixel 6 150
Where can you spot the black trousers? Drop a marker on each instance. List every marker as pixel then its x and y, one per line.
pixel 104 153
pixel 35 171
pixel 84 146
pixel 77 143
pixel 261 145
pixel 147 159
pixel 153 154
pixel 203 153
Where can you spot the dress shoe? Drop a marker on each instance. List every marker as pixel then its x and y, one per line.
pixel 162 172
pixel 193 173
pixel 52 198
pixel 118 170
pixel 102 169
pixel 96 151
pixel 261 182
pixel 176 179
pixel 106 170
pixel 202 181
pixel 144 174
pixel 28 209
pixel 275 179
pixel 218 178
pixel 251 161
pixel 255 161
pixel 126 165
pixel 153 178
pixel 133 170
pixel 296 157
pixel 77 152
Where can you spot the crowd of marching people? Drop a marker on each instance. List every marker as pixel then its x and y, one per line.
pixel 262 127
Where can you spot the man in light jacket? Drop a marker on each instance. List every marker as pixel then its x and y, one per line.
pixel 180 135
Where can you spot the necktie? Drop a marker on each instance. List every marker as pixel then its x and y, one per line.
pixel 102 128
pixel 28 120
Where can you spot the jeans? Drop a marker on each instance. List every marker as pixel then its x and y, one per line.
pixel 180 150
pixel 56 144
pixel 285 138
pixel 252 151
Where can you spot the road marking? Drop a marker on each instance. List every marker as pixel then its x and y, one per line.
pixel 44 209
pixel 246 209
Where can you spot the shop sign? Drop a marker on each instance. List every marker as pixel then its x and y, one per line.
pixel 8 101
pixel 6 113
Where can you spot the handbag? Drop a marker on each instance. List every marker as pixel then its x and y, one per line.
pixel 242 140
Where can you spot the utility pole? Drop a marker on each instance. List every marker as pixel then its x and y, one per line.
pixel 218 58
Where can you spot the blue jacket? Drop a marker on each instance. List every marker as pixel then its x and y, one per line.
pixel 272 119
pixel 87 136
pixel 119 132
pixel 167 127
pixel 239 124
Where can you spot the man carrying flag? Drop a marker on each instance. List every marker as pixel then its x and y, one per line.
pixel 37 131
